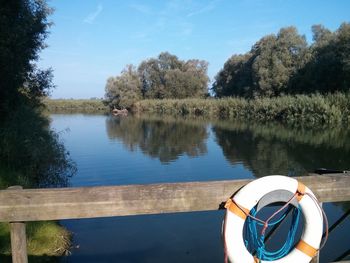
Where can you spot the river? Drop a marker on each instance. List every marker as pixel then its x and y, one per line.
pixel 142 150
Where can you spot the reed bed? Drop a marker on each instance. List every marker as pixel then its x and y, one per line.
pixel 299 109
pixel 76 105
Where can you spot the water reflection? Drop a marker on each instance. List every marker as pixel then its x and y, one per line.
pixel 276 149
pixel 112 151
pixel 165 140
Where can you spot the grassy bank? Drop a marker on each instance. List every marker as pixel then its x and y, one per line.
pixel 43 238
pixel 300 109
pixel 74 106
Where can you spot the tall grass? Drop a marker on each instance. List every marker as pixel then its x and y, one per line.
pixel 76 105
pixel 299 109
pixel 44 238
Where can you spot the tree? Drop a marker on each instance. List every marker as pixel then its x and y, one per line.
pixel 328 69
pixel 191 82
pixel 277 59
pixel 28 148
pixel 152 79
pixel 235 79
pixel 122 91
pixel 266 70
pixel 168 77
pixel 320 35
pixel 23 28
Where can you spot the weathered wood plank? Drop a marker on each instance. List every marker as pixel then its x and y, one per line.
pixel 90 202
pixel 18 238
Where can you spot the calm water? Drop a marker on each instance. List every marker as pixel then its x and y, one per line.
pixel 115 151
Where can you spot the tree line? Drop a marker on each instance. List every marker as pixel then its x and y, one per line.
pixel 285 64
pixel 275 66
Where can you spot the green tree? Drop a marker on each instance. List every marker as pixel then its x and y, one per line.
pixel 23 28
pixel 152 79
pixel 277 59
pixel 266 69
pixel 235 79
pixel 168 77
pixel 122 91
pixel 328 70
pixel 28 148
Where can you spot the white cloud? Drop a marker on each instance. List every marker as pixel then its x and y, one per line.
pixel 92 16
pixel 204 9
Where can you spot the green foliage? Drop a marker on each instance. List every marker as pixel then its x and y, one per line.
pixel 328 69
pixel 30 153
pixel 163 77
pixel 23 27
pixel 122 91
pixel 296 110
pixel 284 64
pixel 27 147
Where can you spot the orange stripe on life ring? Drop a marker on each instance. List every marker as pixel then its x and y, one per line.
pixel 256 260
pixel 300 191
pixel 306 248
pixel 237 210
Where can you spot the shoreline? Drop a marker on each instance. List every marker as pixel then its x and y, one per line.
pixel 306 110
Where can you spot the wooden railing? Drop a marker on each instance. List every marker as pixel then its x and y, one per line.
pixel 18 206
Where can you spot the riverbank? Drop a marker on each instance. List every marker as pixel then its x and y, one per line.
pixel 76 105
pixel 294 110
pixel 298 110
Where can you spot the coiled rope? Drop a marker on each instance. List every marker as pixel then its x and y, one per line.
pixel 256 241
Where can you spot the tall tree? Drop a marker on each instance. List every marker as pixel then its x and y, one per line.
pixel 168 77
pixel 278 58
pixel 328 70
pixel 265 71
pixel 23 28
pixel 235 79
pixel 27 145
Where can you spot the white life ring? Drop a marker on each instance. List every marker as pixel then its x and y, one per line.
pixel 247 197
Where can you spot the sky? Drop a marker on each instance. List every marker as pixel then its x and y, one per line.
pixel 92 40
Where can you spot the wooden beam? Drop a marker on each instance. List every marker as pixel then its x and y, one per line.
pixel 105 201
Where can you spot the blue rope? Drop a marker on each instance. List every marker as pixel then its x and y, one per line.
pixel 255 241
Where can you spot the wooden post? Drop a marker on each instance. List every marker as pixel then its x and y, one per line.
pixel 18 238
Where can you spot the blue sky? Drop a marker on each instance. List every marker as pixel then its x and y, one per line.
pixel 93 40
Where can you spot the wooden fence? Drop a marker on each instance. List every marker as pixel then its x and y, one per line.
pixel 18 206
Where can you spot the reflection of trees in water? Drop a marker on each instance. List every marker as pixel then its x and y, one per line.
pixel 162 139
pixel 275 149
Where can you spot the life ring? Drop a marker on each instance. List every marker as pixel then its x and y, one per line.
pixel 246 198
